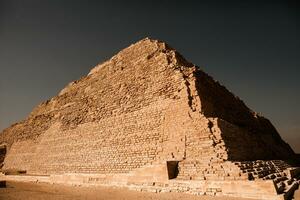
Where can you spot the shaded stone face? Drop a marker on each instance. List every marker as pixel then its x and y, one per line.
pixel 146 111
pixel 2 154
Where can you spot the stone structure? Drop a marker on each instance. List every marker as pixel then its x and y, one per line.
pixel 149 119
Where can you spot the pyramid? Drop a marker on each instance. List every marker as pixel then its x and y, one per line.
pixel 150 120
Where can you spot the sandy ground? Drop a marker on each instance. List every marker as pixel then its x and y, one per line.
pixel 39 191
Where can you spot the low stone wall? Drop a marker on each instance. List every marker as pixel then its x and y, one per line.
pixel 26 178
pixel 257 189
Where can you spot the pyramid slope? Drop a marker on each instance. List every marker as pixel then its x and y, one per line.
pixel 145 105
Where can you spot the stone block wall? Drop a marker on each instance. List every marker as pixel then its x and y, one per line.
pixel 115 145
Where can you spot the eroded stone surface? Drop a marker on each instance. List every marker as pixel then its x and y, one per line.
pixel 145 106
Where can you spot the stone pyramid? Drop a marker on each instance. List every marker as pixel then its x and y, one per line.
pixel 148 115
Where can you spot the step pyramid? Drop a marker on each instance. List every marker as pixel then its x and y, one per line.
pixel 143 108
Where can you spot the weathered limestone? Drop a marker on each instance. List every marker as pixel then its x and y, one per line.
pixel 148 119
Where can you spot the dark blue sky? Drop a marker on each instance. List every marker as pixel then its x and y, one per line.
pixel 251 47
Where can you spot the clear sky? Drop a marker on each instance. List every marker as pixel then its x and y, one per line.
pixel 251 47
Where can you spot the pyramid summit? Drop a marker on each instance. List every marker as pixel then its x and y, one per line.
pixel 149 119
